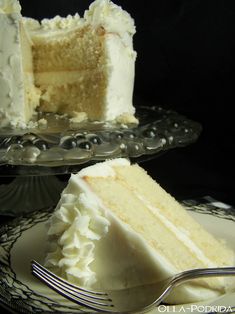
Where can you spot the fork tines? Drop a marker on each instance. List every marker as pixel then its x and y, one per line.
pixel 96 300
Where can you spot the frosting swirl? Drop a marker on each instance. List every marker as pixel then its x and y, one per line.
pixel 75 226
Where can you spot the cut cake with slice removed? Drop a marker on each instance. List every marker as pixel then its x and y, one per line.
pixel 115 227
pixel 83 67
pixel 86 64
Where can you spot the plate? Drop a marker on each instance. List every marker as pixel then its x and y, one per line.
pixel 24 239
pixel 60 148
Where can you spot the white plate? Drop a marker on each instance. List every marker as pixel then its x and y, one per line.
pixel 24 239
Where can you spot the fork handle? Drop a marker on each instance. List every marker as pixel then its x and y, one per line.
pixel 203 272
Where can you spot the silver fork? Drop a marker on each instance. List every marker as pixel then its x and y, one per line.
pixel 131 300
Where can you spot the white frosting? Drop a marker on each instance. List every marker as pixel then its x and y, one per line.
pixel 11 72
pixel 18 95
pixel 9 6
pixel 121 69
pixel 78 222
pixel 54 26
pixel 112 18
pixel 103 169
pixel 101 13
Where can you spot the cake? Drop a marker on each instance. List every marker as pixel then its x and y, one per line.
pixel 115 227
pixel 18 95
pixel 81 66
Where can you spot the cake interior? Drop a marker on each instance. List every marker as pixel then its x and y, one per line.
pixel 70 71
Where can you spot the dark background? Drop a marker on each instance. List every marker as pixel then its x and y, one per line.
pixel 186 52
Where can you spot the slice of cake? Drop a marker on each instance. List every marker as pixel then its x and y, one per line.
pixel 18 95
pixel 86 64
pixel 82 67
pixel 115 227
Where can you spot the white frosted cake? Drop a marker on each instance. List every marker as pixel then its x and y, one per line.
pixel 81 66
pixel 115 227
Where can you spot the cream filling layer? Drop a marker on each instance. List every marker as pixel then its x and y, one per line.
pixel 61 77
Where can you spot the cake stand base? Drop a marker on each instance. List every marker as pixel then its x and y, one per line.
pixel 26 194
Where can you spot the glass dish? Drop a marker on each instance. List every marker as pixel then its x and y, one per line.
pixel 61 147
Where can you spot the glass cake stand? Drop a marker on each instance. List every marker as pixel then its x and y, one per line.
pixel 37 157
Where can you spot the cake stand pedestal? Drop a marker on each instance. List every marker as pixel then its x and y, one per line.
pixel 28 193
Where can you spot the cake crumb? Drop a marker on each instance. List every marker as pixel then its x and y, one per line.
pixel 127 118
pixel 78 117
pixel 42 123
pixel 32 125
pixel 61 116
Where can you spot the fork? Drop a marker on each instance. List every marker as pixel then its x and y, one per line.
pixel 128 300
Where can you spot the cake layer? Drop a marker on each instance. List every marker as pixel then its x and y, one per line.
pixel 132 232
